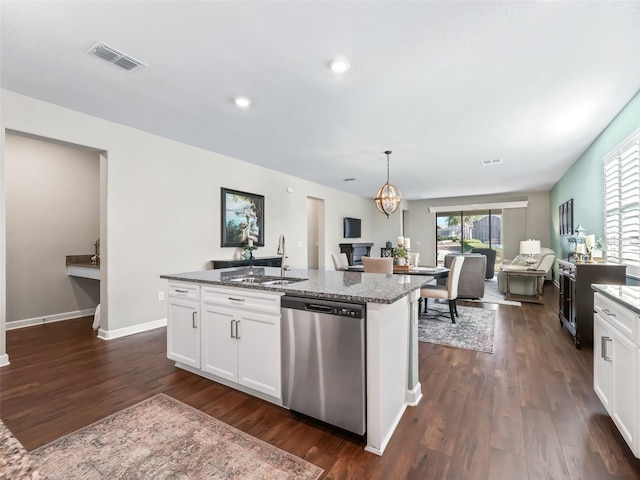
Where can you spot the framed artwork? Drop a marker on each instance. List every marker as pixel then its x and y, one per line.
pixel 566 218
pixel 242 218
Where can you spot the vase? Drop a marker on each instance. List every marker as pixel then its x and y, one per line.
pixel 402 261
pixel 246 254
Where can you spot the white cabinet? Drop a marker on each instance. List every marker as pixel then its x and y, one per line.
pixel 601 360
pixel 227 334
pixel 183 324
pixel 617 366
pixel 242 346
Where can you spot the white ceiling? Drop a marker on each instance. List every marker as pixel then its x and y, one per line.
pixel 444 85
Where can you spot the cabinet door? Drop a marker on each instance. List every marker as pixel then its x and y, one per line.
pixel 183 333
pixel 602 351
pixel 624 371
pixel 219 347
pixel 259 364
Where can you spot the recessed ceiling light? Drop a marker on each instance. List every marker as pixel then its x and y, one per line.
pixel 242 102
pixel 350 179
pixel 339 65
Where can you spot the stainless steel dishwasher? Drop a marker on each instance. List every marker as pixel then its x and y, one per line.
pixel 323 361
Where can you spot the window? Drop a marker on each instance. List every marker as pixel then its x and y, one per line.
pixel 465 230
pixel 622 204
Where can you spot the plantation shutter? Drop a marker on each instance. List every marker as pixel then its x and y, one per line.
pixel 622 204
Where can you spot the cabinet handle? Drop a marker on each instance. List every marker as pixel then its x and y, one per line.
pixel 236 299
pixel 181 291
pixel 231 323
pixel 194 319
pixel 603 347
pixel 237 325
pixel 608 312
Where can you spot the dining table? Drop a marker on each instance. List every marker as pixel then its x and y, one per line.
pixel 435 272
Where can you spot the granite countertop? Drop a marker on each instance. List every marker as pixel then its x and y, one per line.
pixel 15 463
pixel 326 284
pixel 81 261
pixel 625 295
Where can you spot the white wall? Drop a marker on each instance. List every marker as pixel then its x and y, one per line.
pixel 163 205
pixel 53 210
pixel 518 223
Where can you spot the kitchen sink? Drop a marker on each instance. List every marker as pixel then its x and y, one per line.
pixel 265 280
pixel 281 281
pixel 246 279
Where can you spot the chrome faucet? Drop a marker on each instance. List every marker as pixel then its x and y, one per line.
pixel 282 252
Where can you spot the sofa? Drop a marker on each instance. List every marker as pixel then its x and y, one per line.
pixel 471 283
pixel 523 285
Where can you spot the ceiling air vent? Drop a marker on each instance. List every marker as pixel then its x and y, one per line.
pixel 494 161
pixel 111 55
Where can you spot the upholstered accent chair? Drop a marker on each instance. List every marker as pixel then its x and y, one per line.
pixel 450 290
pixel 524 285
pixel 490 253
pixel 340 261
pixel 377 265
pixel 471 283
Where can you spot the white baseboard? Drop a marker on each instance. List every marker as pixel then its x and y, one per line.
pixel 4 360
pixel 58 317
pixel 123 332
pixel 387 437
pixel 414 395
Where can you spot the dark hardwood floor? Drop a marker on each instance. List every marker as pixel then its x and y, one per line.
pixel 528 411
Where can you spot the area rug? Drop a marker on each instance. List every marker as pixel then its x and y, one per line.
pixel 474 328
pixel 492 295
pixel 162 438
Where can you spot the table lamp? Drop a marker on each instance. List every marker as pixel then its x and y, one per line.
pixel 530 248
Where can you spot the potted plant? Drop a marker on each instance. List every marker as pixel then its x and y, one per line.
pixel 598 249
pixel 400 255
pixel 247 250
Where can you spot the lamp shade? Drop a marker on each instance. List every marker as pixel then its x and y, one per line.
pixel 529 247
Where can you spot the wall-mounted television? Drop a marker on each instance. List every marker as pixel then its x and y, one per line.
pixel 352 227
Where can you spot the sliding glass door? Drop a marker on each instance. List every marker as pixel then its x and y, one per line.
pixel 465 230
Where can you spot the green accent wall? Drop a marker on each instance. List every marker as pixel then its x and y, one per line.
pixel 584 180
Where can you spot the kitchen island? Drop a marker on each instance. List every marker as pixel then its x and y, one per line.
pixel 226 327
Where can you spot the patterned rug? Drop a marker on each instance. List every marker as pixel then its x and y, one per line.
pixel 474 328
pixel 162 438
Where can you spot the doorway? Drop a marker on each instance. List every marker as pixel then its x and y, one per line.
pixel 53 198
pixel 315 233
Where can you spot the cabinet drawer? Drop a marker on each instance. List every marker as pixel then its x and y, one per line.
pixel 242 298
pixel 184 290
pixel 621 318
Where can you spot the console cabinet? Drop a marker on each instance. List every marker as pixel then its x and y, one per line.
pixel 576 297
pixel 616 366
pixel 256 262
pixel 355 251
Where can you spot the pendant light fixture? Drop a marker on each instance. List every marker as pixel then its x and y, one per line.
pixel 389 197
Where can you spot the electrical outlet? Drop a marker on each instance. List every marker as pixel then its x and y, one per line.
pixel 161 295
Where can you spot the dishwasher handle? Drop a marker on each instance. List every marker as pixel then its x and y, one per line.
pixel 314 307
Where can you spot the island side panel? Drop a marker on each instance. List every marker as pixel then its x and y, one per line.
pixel 387 370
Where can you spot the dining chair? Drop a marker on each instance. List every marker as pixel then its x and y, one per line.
pixel 448 292
pixel 377 265
pixel 340 261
